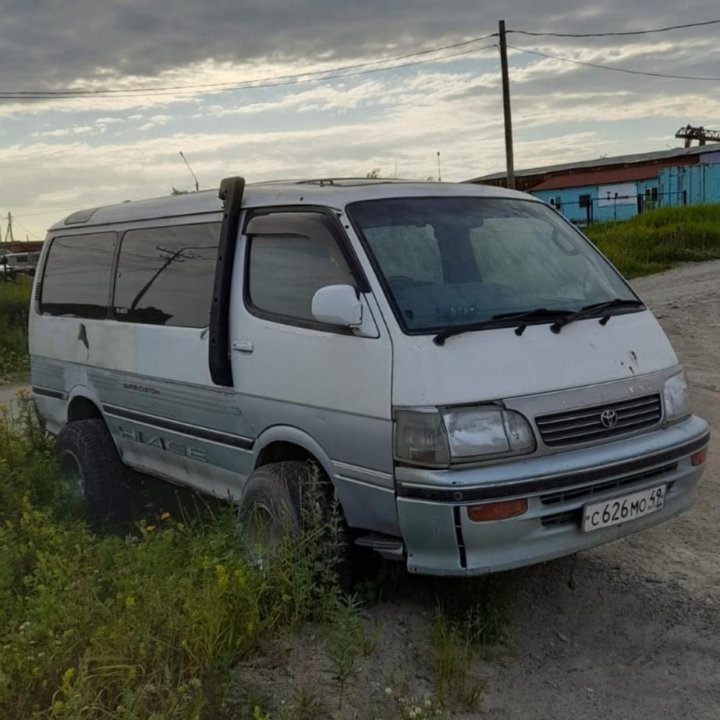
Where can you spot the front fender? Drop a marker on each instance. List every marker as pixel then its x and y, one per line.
pixel 289 434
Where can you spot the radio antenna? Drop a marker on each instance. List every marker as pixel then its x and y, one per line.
pixel 197 184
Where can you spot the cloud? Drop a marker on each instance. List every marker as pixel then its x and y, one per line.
pixel 42 47
pixel 155 121
pixel 64 132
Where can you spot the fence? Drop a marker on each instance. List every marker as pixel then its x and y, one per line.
pixel 587 210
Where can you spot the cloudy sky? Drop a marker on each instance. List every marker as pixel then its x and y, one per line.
pixel 313 88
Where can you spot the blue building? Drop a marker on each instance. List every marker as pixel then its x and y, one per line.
pixel 616 188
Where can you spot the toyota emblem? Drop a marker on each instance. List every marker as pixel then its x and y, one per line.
pixel 609 418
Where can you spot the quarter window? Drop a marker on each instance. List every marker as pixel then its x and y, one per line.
pixel 77 275
pixel 165 275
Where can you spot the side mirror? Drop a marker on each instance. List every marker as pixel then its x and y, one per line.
pixel 337 305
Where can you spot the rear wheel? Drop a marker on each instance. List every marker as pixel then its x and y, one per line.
pixel 88 459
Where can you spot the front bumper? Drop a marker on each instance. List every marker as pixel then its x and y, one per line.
pixel 441 540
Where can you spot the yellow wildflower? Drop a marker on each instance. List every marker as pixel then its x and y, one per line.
pixel 221 576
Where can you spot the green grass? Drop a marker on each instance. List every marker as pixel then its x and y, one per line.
pixel 153 624
pixel 657 240
pixel 14 304
pixel 470 615
pixel 143 626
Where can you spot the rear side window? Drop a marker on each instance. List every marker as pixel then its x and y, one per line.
pixel 77 275
pixel 165 275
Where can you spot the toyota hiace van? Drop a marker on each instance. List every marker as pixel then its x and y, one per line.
pixel 480 386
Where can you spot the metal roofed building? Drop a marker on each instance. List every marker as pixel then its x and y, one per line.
pixel 616 188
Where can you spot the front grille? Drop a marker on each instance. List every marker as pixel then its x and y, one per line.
pixel 563 518
pixel 586 424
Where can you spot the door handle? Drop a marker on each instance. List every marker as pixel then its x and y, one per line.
pixel 243 346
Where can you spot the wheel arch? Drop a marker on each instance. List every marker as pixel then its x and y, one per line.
pixel 84 404
pixel 82 407
pixel 283 443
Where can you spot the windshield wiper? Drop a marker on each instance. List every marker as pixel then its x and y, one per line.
pixel 503 320
pixel 560 316
pixel 534 314
pixel 599 308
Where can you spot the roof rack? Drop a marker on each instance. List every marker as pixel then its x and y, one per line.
pixel 348 181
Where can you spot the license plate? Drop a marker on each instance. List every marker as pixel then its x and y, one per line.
pixel 623 509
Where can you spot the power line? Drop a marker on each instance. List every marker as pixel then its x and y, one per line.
pixel 29 215
pixel 25 229
pixel 250 85
pixel 330 73
pixel 616 34
pixel 613 67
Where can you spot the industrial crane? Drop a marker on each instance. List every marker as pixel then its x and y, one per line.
pixel 690 133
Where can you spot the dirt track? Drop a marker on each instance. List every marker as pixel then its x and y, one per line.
pixel 632 629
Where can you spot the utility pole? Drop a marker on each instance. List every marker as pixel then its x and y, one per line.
pixel 9 237
pixel 438 159
pixel 509 159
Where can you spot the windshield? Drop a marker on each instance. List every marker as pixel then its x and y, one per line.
pixel 461 260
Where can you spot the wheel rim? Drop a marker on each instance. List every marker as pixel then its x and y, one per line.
pixel 71 471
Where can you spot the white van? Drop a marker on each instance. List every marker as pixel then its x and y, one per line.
pixel 18 263
pixel 481 387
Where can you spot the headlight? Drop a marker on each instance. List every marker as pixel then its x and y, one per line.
pixel 420 437
pixel 474 433
pixel 424 436
pixel 676 397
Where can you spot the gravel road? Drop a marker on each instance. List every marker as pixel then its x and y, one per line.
pixel 632 629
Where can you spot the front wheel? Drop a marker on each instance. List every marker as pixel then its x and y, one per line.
pixel 270 510
pixel 289 502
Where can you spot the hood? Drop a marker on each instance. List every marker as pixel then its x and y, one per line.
pixel 496 364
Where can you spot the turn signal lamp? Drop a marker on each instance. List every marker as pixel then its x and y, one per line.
pixel 497 510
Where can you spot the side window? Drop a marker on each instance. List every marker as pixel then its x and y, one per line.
pixel 165 275
pixel 77 275
pixel 285 269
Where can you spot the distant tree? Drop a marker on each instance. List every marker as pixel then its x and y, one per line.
pixel 374 174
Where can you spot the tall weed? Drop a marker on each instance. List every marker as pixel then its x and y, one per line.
pixel 14 306
pixel 470 615
pixel 144 626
